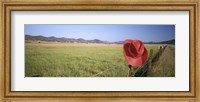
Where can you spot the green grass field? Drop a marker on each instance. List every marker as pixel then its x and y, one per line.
pixel 77 60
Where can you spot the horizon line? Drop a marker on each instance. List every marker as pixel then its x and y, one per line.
pixel 97 39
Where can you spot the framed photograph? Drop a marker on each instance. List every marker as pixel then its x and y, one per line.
pixel 99 50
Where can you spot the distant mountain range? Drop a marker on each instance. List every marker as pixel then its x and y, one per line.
pixel 81 40
pixel 162 42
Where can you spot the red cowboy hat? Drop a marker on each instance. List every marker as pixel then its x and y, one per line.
pixel 134 52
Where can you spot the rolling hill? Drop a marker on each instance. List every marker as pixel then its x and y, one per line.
pixel 81 40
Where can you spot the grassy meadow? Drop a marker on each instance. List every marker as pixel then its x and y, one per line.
pixel 165 66
pixel 82 60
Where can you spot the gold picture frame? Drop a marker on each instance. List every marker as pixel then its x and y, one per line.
pixel 46 5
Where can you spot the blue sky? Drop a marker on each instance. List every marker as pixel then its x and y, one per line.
pixel 104 32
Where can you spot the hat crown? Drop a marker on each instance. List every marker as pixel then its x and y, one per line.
pixel 135 52
pixel 136 48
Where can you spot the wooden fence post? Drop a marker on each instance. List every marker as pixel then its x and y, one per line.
pixel 159 52
pixel 129 71
pixel 150 57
